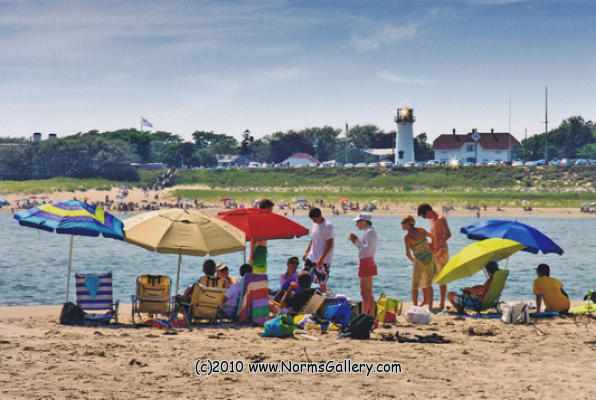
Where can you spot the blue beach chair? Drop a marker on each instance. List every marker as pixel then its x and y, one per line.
pixel 94 293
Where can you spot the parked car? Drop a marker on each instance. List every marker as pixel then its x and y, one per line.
pixel 431 163
pixel 348 165
pixel 372 164
pixel 468 164
pixel 555 161
pixel 385 163
pixel 581 161
pixel 540 163
pixel 517 164
pixel 254 164
pixel 409 164
pixel 481 164
pixel 493 163
pixel 360 165
pixel 420 163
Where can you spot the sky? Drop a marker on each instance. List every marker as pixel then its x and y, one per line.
pixel 276 65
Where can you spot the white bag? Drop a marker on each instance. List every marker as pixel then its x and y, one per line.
pixel 418 315
pixel 516 312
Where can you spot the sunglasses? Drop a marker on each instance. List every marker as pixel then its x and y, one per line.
pixel 294 262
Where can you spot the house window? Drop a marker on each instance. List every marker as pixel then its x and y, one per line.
pixel 498 152
pixel 469 148
pixel 401 154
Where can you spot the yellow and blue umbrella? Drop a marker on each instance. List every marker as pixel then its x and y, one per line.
pixel 72 217
pixel 475 256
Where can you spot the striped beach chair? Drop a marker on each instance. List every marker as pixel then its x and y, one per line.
pixel 94 294
pixel 253 303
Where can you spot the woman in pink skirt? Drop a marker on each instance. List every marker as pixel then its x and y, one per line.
pixel 367 268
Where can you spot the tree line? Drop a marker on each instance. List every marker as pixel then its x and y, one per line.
pixel 110 154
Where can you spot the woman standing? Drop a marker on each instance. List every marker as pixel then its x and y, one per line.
pixel 423 258
pixel 258 248
pixel 366 266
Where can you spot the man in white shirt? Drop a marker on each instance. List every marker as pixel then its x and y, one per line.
pixel 319 253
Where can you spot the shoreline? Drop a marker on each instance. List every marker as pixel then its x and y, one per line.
pixel 43 359
pixel 137 196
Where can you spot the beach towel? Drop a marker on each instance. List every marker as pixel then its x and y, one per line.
pixel 253 303
pixel 259 264
pixel 100 297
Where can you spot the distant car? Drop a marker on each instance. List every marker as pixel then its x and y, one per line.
pixel 540 163
pixel 555 161
pixel 385 163
pixel 431 163
pixel 420 163
pixel 481 164
pixel 348 165
pixel 468 164
pixel 517 164
pixel 530 163
pixel 254 164
pixel 581 161
pixel 360 165
pixel 409 164
pixel 493 163
pixel 372 164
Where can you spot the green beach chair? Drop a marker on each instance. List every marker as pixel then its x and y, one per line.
pixel 490 299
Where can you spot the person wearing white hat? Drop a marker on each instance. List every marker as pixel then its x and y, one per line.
pixel 367 268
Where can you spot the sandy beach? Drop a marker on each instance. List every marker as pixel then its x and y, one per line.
pixel 41 359
pixel 136 196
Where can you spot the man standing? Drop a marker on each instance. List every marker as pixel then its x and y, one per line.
pixel 438 227
pixel 319 253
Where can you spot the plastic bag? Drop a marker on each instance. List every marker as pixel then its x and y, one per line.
pixel 418 315
pixel 516 312
pixel 280 326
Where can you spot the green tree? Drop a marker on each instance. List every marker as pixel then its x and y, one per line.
pixel 324 140
pixel 247 140
pixel 288 144
pixel 423 151
pixel 217 143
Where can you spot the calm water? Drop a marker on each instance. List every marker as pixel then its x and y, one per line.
pixel 33 263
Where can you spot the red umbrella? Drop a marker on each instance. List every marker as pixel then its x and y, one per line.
pixel 226 199
pixel 263 224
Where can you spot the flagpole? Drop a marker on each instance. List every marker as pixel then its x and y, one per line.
pixel 141 124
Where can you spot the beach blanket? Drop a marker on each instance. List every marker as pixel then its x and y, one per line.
pixel 253 303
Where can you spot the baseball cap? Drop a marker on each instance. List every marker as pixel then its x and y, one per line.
pixel 221 266
pixel 364 216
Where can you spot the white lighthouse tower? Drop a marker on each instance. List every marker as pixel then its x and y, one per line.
pixel 404 142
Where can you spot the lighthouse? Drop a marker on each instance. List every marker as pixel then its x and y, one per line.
pixel 404 143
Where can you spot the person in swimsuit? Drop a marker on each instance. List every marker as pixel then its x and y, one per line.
pixel 425 265
pixel 438 227
pixel 258 248
pixel 367 268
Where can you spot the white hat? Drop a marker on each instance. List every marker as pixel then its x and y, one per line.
pixel 364 216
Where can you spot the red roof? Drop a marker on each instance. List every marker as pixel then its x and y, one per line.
pixel 488 141
pixel 306 156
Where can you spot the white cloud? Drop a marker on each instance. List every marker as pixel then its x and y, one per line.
pixel 390 77
pixel 387 34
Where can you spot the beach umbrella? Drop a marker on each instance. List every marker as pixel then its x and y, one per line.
pixel 475 256
pixel 33 197
pixel 226 199
pixel 72 217
pixel 263 224
pixel 530 237
pixel 120 197
pixel 183 232
pixel 300 200
pixel 3 202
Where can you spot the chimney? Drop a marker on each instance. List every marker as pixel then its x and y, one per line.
pixel 52 136
pixel 453 131
pixel 37 137
pixel 492 130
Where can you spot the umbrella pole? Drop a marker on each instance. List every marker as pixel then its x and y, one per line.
pixel 69 266
pixel 507 263
pixel 245 253
pixel 178 274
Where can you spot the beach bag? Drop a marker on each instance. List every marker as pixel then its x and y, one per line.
pixel 418 315
pixel 516 312
pixel 281 326
pixel 339 313
pixel 387 309
pixel 72 314
pixel 359 328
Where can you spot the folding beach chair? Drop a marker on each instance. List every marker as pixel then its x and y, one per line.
pixel 313 305
pixel 253 304
pixel 205 303
pixel 94 293
pixel 490 299
pixel 152 295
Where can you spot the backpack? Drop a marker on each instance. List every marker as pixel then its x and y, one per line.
pixel 72 314
pixel 280 326
pixel 359 328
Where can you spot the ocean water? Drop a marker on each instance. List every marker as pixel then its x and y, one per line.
pixel 33 263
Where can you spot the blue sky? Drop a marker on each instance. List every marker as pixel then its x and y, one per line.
pixel 274 65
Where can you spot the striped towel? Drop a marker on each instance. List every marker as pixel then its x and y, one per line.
pixel 94 291
pixel 254 299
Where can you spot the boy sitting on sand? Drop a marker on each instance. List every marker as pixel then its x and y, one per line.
pixel 292 301
pixel 551 289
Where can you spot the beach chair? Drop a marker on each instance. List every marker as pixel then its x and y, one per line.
pixel 152 295
pixel 253 303
pixel 205 304
pixel 490 299
pixel 313 305
pixel 94 293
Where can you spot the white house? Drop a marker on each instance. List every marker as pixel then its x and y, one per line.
pixel 300 160
pixel 476 146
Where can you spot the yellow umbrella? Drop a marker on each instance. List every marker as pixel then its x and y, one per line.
pixel 177 231
pixel 475 256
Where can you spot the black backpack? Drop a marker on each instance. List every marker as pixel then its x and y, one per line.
pixel 359 327
pixel 72 314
